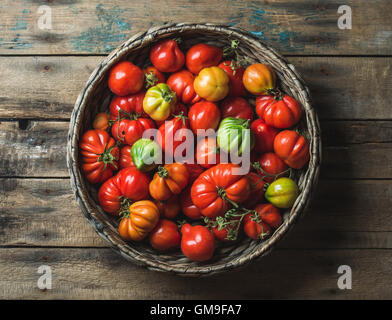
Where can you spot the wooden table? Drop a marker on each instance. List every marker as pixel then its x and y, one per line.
pixel 350 219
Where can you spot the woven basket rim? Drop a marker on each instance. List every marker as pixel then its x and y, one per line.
pixel 89 207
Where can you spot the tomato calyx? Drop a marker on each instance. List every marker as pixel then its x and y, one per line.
pixel 162 172
pixel 222 194
pixel 168 95
pixel 257 166
pixel 124 207
pixel 232 51
pixel 257 218
pixel 233 66
pixel 151 79
pixel 107 158
pixel 181 116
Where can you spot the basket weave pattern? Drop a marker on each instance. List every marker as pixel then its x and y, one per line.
pixel 95 97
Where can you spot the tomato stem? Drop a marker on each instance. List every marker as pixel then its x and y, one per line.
pixel 151 79
pixel 162 172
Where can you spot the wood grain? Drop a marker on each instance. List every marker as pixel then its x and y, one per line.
pixel 343 214
pixel 342 88
pixel 102 274
pixel 300 27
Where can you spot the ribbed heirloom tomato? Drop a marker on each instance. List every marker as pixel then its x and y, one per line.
pixel 197 243
pixel 129 131
pixel 212 84
pixel 217 188
pixel 201 56
pixel 292 148
pixel 204 115
pixel 236 107
pixel 127 107
pixel 264 136
pixel 181 83
pixel 99 155
pixel 159 102
pixel 125 78
pixel 165 235
pixel 166 56
pixel 279 110
pixel 118 192
pixel 269 214
pixel 235 73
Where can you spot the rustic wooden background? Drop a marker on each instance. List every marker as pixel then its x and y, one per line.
pixel 349 221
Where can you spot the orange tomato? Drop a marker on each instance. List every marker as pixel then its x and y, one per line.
pixel 212 84
pixel 101 121
pixel 170 208
pixel 259 79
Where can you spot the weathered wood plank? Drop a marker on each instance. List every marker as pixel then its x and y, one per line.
pixel 342 88
pixel 343 214
pixel 352 149
pixel 285 274
pixel 301 27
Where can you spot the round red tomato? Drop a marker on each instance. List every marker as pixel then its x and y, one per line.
pixel 218 188
pixel 153 76
pixel 166 56
pixel 172 134
pixel 99 155
pixel 197 243
pixel 269 214
pixel 256 194
pixel 181 83
pixel 125 78
pixel 254 228
pixel 235 73
pixel 201 56
pixel 117 193
pixel 207 152
pixel 204 115
pixel 125 157
pixel 270 166
pixel 165 235
pixel 264 136
pixel 280 110
pixel 128 107
pixel 129 131
pixel 236 107
pixel 187 206
pixel 292 148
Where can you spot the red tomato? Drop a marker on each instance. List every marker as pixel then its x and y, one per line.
pixel 128 107
pixel 264 136
pixel 166 56
pixel 99 155
pixel 170 208
pixel 187 206
pixel 180 109
pixel 280 111
pixel 194 171
pixel 216 188
pixel 235 74
pixel 170 133
pixel 129 131
pixel 201 56
pixel 207 152
pixel 125 157
pixel 256 229
pixel 204 115
pixel 181 83
pixel 153 76
pixel 118 192
pixel 236 107
pixel 269 214
pixel 165 236
pixel 256 194
pixel 197 243
pixel 292 148
pixel 125 78
pixel 270 167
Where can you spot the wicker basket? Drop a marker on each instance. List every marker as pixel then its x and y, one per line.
pixel 95 97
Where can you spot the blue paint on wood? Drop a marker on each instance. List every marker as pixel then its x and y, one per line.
pixel 20 24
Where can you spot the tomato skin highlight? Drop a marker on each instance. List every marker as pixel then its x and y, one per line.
pixel 165 236
pixel 207 153
pixel 236 107
pixel 204 115
pixel 166 56
pixel 125 78
pixel 201 56
pixel 181 83
pixel 197 243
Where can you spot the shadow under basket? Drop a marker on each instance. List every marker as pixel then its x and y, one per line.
pixel 96 96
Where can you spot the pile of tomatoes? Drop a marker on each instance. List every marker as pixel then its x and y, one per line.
pixel 192 205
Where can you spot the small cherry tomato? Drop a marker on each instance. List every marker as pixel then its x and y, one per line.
pixel 204 115
pixel 264 136
pixel 201 56
pixel 236 107
pixel 292 148
pixel 181 83
pixel 152 76
pixel 207 152
pixel 187 206
pixel 255 228
pixel 279 110
pixel 259 79
pixel 197 243
pixel 166 56
pixel 269 214
pixel 165 235
pixel 212 84
pixel 270 167
pixel 170 208
pixel 101 121
pixel 235 73
pixel 282 193
pixel 125 78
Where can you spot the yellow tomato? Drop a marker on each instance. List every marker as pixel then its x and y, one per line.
pixel 259 79
pixel 212 84
pixel 159 102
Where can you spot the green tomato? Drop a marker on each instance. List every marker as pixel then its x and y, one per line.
pixel 145 154
pixel 159 102
pixel 234 135
pixel 282 193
